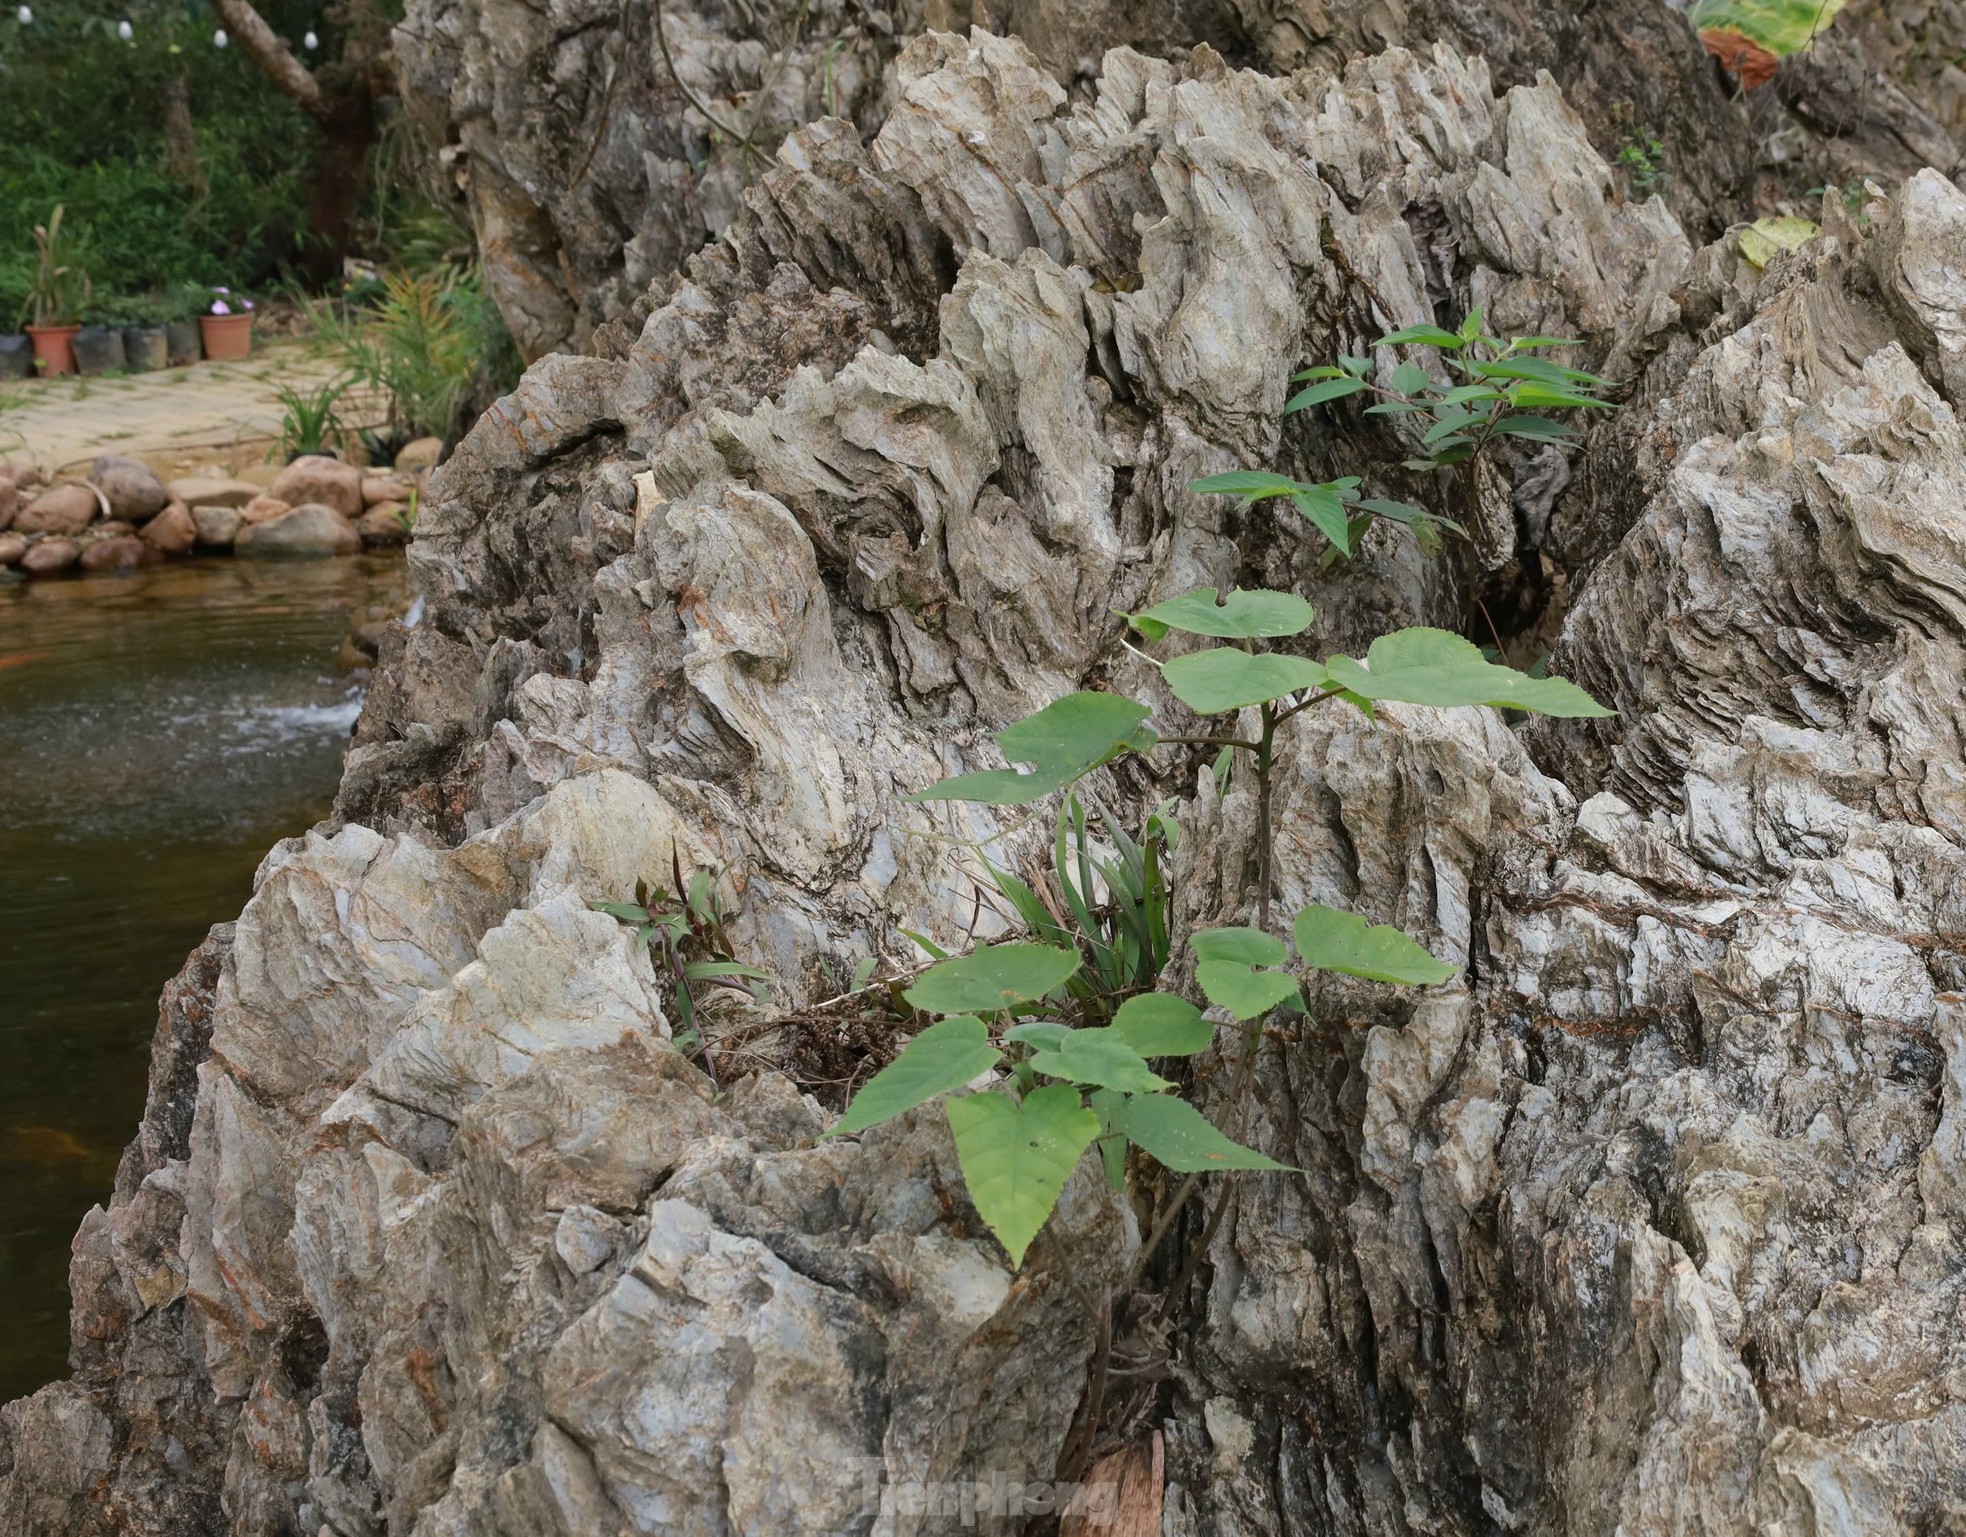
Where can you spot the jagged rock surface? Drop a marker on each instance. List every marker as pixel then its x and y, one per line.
pixel 595 152
pixel 1650 1223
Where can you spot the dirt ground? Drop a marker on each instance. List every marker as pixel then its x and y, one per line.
pixel 181 420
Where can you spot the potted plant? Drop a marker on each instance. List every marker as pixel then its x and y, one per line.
pixel 98 347
pixel 55 294
pixel 16 351
pixel 227 326
pixel 180 308
pixel 146 344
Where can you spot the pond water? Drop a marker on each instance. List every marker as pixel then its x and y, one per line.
pixel 158 732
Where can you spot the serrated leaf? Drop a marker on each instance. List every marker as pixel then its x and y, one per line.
pixel 1181 1138
pixel 1101 1057
pixel 993 979
pixel 1016 1157
pixel 1318 394
pixel 1428 336
pixel 1062 742
pixel 1331 939
pixel 944 1057
pixel 1224 679
pixel 1162 1025
pixel 1437 667
pixel 1261 614
pixel 1326 510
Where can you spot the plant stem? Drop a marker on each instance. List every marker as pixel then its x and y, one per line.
pixel 1263 844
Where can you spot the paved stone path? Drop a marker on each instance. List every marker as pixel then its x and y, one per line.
pixel 208 413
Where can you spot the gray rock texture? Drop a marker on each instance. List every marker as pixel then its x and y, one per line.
pixel 1651 1222
pixel 597 146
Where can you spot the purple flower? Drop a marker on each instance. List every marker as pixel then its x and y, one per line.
pixel 247 302
pixel 220 307
pixel 221 290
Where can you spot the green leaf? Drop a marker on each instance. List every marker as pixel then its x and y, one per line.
pixel 1331 939
pixel 1253 484
pixel 1412 379
pixel 1430 336
pixel 1761 240
pixel 928 946
pixel 1781 26
pixel 1179 1135
pixel 1162 1025
pixel 1062 742
pixel 1549 397
pixel 1471 325
pixel 1318 394
pixel 1261 614
pixel 1325 509
pixel 1524 343
pixel 1017 1157
pixel 1100 1057
pixel 1043 1033
pixel 1251 947
pixel 1326 372
pixel 700 971
pixel 1538 429
pixel 1535 369
pixel 1228 972
pixel 1213 682
pixel 992 979
pixel 626 912
pixel 1436 667
pixel 1450 420
pixel 944 1057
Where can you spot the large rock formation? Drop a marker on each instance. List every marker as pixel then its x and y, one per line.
pixel 596 148
pixel 1651 1222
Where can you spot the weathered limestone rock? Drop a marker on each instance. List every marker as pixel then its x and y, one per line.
pixel 1652 1221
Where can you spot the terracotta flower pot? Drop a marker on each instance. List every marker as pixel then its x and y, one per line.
pixel 54 348
pixel 228 338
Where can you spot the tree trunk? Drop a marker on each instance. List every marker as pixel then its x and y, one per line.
pixel 1650 1222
